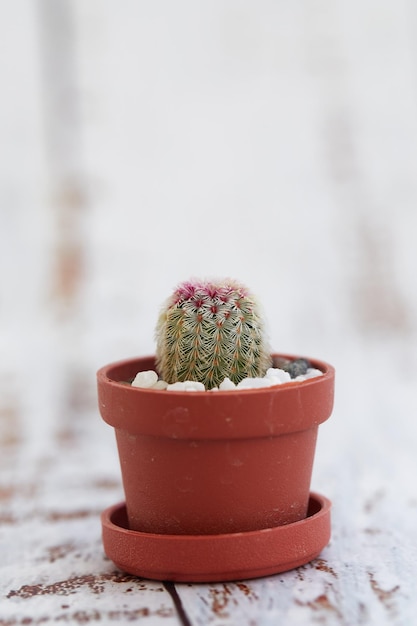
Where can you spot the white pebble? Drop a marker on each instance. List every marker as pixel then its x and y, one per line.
pixel 160 384
pixel 145 380
pixel 313 372
pixel 274 376
pixel 178 386
pixel 227 385
pixel 254 383
pixel 192 385
pixel 186 385
pixel 275 372
pixel 274 380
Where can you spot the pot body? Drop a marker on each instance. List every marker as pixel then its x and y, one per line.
pixel 189 486
pixel 214 462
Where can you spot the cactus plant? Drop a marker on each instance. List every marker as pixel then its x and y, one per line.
pixel 217 484
pixel 211 330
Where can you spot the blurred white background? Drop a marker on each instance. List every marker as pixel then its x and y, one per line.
pixel 274 142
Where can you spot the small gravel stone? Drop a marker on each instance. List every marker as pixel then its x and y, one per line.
pixel 273 381
pixel 254 383
pixel 279 362
pixel 280 374
pixel 186 385
pixel 312 372
pixel 192 385
pixel 227 385
pixel 291 371
pixel 145 380
pixel 296 368
pixel 160 384
pixel 176 387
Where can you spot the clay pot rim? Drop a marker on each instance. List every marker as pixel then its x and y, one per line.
pixel 263 412
pixel 104 375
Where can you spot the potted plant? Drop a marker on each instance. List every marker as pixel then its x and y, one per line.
pixel 216 439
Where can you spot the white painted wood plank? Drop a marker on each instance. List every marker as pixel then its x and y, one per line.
pixel 52 493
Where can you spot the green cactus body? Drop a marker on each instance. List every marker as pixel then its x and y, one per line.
pixel 208 331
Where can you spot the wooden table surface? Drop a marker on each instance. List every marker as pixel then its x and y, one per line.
pixel 146 142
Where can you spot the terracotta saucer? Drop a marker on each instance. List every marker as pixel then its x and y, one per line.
pixel 211 558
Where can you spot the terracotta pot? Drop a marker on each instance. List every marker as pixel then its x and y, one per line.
pixel 204 463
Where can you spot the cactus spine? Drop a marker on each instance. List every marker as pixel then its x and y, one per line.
pixel 210 330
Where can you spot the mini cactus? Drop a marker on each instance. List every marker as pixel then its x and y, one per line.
pixel 211 330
